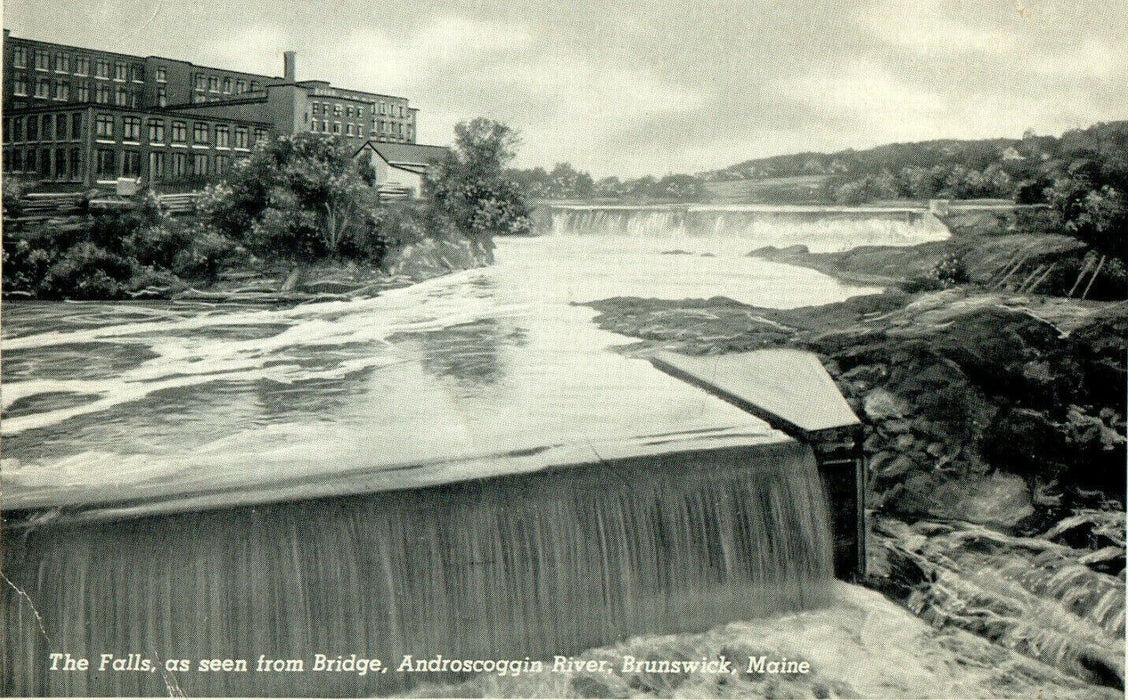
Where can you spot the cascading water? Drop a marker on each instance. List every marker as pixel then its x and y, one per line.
pixel 821 229
pixel 506 568
pixel 465 467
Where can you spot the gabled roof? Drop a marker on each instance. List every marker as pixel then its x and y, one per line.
pixel 407 154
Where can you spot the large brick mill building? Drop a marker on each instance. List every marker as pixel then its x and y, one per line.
pixel 76 117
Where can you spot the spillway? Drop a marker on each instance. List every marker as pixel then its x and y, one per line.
pixel 821 229
pixel 505 568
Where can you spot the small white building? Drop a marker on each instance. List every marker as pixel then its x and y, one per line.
pixel 400 167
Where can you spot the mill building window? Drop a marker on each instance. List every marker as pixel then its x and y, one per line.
pixel 156 131
pixel 105 93
pixel 42 60
pixel 156 165
pixel 76 126
pixel 179 165
pixel 200 133
pixel 104 126
pixel 19 86
pixel 43 88
pixel 121 96
pixel 61 127
pixel 179 132
pixel 137 73
pixel 62 63
pixel 81 65
pixel 106 163
pixel 222 137
pixel 131 163
pixel 241 137
pixel 119 72
pixel 82 92
pixel 131 129
pixel 19 57
pixel 162 74
pixel 200 164
pixel 102 70
pixel 75 164
pixel 32 129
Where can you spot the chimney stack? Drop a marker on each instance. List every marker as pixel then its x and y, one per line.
pixel 291 61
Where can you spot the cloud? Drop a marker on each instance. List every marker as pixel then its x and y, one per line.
pixel 655 86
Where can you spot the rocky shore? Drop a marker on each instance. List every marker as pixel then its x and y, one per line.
pixel 995 436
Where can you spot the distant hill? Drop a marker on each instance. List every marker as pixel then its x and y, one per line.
pixel 895 156
pixel 1019 169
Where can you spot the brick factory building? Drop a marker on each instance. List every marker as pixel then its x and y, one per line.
pixel 76 117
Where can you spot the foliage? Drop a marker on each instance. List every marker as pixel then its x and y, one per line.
pixel 297 197
pixel 469 191
pixel 565 182
pixel 949 271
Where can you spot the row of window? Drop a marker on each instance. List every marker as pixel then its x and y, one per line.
pixel 203 134
pixel 62 62
pixel 213 83
pixel 67 162
pixel 103 94
pixel 67 165
pixel 44 127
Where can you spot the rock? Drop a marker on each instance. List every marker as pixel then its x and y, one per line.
pixel 893 427
pixel 900 465
pixel 1024 441
pixel 874 443
pixel 878 462
pixel 905 442
pixel 1000 500
pixel 879 404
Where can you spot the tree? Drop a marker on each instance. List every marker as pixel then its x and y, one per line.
pixel 469 190
pixel 298 196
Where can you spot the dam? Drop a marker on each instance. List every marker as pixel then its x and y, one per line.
pixel 467 467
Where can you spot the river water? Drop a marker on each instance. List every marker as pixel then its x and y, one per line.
pixel 108 401
pixel 231 422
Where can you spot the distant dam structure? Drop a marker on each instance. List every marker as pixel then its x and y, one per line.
pixel 820 228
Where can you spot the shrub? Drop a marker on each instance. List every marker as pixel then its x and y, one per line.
pixel 86 271
pixel 949 271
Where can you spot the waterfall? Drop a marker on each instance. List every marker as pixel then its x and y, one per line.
pixel 531 565
pixel 822 229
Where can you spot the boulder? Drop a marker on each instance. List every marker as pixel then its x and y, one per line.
pixel 879 404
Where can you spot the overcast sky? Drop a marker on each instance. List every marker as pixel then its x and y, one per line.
pixel 630 88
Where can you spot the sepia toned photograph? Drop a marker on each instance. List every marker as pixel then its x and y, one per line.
pixel 667 349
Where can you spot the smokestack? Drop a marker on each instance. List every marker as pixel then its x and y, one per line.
pixel 291 64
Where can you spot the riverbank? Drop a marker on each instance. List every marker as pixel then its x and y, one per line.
pixel 265 282
pixel 994 423
pixel 1001 248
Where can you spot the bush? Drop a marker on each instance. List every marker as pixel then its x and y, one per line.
pixel 86 271
pixel 949 271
